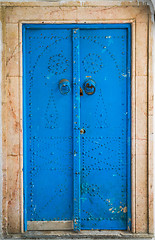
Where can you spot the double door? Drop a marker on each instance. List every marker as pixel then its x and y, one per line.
pixel 76 101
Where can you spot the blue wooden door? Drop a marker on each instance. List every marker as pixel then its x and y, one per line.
pixel 48 125
pixel 77 124
pixel 104 118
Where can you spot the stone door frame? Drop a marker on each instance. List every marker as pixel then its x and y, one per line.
pixel 13 15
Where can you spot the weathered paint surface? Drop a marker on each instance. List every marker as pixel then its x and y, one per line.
pixel 67 175
pixel 105 151
pixel 76 129
pixel 48 125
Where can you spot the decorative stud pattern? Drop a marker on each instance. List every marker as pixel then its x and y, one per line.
pixel 51 112
pixel 58 64
pixel 92 63
pixel 50 164
pixel 101 112
pixel 103 145
pixel 104 42
pixel 49 142
pixel 98 168
pixel 83 177
pixel 76 130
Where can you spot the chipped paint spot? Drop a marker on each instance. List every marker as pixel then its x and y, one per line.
pixel 123 209
pixel 124 75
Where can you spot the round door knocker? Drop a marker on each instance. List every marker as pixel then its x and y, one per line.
pixel 90 87
pixel 64 86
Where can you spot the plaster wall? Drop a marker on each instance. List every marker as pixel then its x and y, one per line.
pixel 151 3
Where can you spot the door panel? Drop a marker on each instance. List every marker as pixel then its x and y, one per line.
pixel 104 119
pixel 48 125
pixel 76 148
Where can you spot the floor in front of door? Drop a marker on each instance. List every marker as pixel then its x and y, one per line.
pixel 108 235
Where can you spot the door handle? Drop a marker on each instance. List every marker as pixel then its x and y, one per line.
pixel 90 87
pixel 64 86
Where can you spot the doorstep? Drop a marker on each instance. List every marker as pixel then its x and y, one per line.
pixel 82 235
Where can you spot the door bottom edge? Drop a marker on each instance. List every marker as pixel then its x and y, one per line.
pixel 49 225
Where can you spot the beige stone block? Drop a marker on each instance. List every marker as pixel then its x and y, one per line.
pixel 21 116
pixel 141 146
pixel 109 13
pixel 141 216
pixel 133 96
pixel 68 11
pixel 133 153
pixel 3 84
pixel 87 13
pixel 141 194
pixel 150 72
pixel 151 204
pixel 141 172
pixel 133 190
pixel 4 202
pixel 13 121
pixel 91 3
pixel 141 107
pixel 12 50
pixel 4 90
pixel 150 107
pixel 13 206
pixel 141 49
pixel 143 15
pixel 4 136
pixel 60 13
pixel 151 186
pixel 21 138
pixel 141 89
pixel 141 121
pixel 150 135
pixel 13 15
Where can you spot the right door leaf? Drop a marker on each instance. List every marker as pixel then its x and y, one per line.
pixel 103 55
